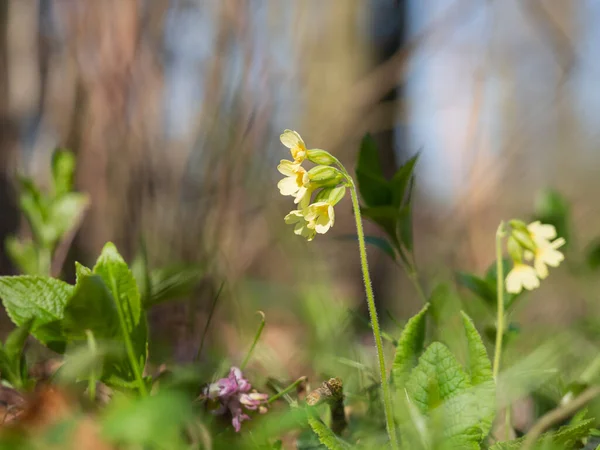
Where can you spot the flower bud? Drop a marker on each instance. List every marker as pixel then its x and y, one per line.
pixel 514 249
pixel 320 157
pixel 331 195
pixel 524 239
pixel 325 176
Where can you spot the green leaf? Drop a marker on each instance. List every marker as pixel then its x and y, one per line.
pixel 404 227
pixel 172 282
pixel 11 355
pixel 441 389
pixel 478 286
pixel 480 367
pixel 437 373
pixel 401 179
pixel 409 348
pixel 81 271
pixel 63 169
pixel 567 437
pixel 35 207
pixel 480 371
pixel 374 188
pixel 387 218
pixel 91 307
pixel 65 213
pixel 382 244
pixel 326 436
pixel 113 269
pixel 23 254
pixel 42 299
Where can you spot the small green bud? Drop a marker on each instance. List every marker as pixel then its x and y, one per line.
pixel 325 176
pixel 524 239
pixel 331 195
pixel 514 249
pixel 321 157
pixel 518 225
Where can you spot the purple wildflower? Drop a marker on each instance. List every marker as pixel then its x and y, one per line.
pixel 233 393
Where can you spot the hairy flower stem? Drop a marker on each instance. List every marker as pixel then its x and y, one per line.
pixel 387 397
pixel 499 300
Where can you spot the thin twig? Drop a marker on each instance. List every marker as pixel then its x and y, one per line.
pixel 558 415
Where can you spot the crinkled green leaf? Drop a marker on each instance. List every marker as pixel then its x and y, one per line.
pixel 567 437
pixel 374 188
pixel 480 371
pixel 326 436
pixel 437 369
pixel 42 299
pixel 480 367
pixel 441 389
pixel 409 348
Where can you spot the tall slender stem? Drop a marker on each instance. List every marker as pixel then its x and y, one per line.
pixel 387 397
pixel 499 300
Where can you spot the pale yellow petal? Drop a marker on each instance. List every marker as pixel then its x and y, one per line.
pixel 541 231
pixel 540 268
pixel 288 186
pixel 288 168
pixel 513 283
pixel 291 139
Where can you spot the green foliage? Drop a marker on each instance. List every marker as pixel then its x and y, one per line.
pixel 409 348
pixel 326 436
pixel 51 217
pixel 13 367
pixel 568 437
pixel 387 202
pixel 37 298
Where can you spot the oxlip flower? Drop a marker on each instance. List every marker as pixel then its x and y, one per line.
pixel 292 140
pixel 320 217
pixel 546 254
pixel 521 276
pixel 300 223
pixel 296 181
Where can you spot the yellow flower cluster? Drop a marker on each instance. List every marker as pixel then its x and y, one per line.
pixel 534 242
pixel 326 182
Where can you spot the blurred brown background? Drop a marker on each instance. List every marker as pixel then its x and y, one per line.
pixel 174 109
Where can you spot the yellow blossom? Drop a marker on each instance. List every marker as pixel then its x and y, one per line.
pixel 547 254
pixel 294 142
pixel 301 228
pixel 541 232
pixel 296 182
pixel 320 217
pixel 521 276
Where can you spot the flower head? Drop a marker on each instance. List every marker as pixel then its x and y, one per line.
pixel 233 393
pixel 320 217
pixel 541 232
pixel 301 225
pixel 521 276
pixel 294 142
pixel 547 254
pixel 296 182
